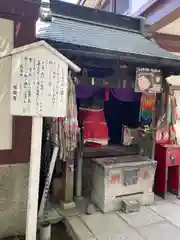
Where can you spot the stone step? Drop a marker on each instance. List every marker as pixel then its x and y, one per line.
pixel 51 216
pixel 77 229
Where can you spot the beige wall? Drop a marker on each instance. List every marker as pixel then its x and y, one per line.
pixel 136 5
pixel 6 45
pixel 13 199
pixel 178 54
pixel 13 178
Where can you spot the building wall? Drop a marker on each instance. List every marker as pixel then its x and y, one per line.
pixel 121 6
pixel 13 199
pixel 14 158
pixel 6 46
pixel 117 6
pixel 136 5
pixel 24 14
pixel 108 7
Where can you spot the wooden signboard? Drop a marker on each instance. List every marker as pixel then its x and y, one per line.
pixel 39 84
pixel 148 80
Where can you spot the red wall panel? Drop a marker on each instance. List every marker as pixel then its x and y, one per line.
pixel 25 8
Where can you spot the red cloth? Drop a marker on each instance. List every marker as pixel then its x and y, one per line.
pixel 107 94
pixel 95 127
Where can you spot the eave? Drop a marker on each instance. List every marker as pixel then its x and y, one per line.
pixel 167 41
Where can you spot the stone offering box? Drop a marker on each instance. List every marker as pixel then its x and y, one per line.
pixel 122 178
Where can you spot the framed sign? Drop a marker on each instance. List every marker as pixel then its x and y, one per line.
pixel 39 84
pixel 148 80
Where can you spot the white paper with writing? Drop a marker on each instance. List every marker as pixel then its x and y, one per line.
pixel 39 84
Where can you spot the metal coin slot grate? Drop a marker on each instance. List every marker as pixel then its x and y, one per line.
pixel 131 176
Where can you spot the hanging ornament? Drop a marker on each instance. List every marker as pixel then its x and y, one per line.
pixel 172 117
pixel 147 107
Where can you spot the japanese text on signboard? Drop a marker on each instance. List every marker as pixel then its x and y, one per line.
pixel 39 88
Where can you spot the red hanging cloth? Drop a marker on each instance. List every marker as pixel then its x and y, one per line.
pixel 95 127
pixel 107 94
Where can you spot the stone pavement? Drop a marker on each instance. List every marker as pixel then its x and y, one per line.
pixel 160 221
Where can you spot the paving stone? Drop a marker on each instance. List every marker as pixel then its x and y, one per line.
pixel 160 231
pixel 104 224
pixel 138 219
pixel 157 199
pixel 169 211
pixel 128 234
pixel 169 198
pixel 177 201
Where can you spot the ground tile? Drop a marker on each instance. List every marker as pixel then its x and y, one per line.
pixel 160 231
pixel 138 219
pixel 169 211
pixel 157 199
pixel 104 224
pixel 177 201
pixel 128 234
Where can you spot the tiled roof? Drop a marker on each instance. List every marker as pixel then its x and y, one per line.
pixel 95 35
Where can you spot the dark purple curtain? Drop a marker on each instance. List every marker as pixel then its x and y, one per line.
pixel 84 91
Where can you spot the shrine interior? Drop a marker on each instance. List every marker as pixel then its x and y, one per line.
pixel 104 109
pixel 117 108
pixel 108 114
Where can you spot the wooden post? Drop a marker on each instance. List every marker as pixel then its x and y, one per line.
pixel 68 180
pixel 48 181
pixel 153 135
pixel 34 173
pixel 79 165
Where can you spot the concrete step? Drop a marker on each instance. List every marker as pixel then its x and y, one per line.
pixel 77 229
